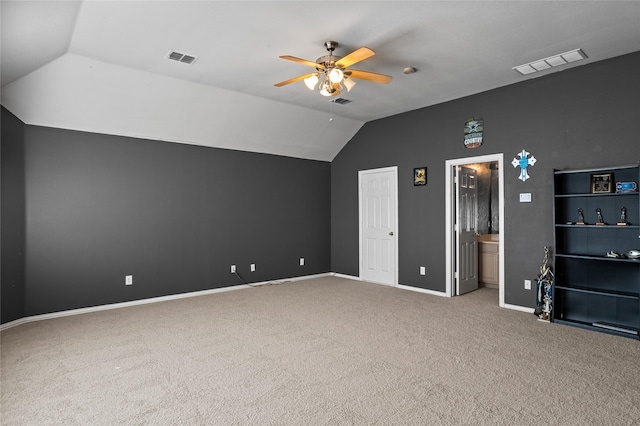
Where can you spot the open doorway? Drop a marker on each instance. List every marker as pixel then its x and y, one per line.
pixel 480 225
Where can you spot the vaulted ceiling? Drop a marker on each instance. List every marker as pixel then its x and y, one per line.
pixel 101 66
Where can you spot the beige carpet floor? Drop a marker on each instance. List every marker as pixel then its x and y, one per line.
pixel 322 351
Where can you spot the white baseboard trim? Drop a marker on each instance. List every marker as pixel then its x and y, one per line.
pixel 286 280
pixel 400 286
pixel 444 294
pixel 423 290
pixel 80 311
pixel 348 277
pixel 519 308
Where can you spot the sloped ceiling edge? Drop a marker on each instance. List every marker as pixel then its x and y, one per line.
pixel 80 93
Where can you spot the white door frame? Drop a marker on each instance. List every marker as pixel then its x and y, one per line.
pixel 450 212
pixel 393 169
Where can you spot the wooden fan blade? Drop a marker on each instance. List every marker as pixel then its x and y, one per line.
pixel 293 80
pixel 355 57
pixel 302 61
pixel 371 76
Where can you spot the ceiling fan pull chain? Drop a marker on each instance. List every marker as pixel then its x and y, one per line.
pixel 331 111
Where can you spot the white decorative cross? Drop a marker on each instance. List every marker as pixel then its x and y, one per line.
pixel 524 162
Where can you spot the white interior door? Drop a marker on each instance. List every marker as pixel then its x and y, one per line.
pixel 378 190
pixel 467 196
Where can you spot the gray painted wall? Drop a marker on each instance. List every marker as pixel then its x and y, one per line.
pixel 582 117
pixel 93 208
pixel 174 216
pixel 12 218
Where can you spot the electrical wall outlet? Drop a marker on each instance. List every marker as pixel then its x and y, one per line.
pixel 302 261
pixel 253 267
pixel 233 269
pixel 128 280
pixel 527 284
pixel 423 270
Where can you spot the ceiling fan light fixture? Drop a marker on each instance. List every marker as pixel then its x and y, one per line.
pixel 348 84
pixel 328 89
pixel 324 89
pixel 311 81
pixel 336 75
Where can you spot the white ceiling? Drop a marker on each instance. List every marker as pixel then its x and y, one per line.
pixel 101 66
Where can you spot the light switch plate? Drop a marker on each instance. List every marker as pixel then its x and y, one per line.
pixel 525 197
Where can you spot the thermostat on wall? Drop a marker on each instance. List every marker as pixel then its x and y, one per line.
pixel 525 197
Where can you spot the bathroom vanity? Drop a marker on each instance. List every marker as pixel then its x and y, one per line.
pixel 489 260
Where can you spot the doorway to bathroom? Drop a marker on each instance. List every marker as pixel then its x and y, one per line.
pixel 475 224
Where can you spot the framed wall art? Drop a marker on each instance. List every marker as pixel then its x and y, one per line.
pixel 419 176
pixel 602 183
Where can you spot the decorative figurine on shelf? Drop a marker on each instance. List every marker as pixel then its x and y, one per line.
pixel 623 217
pixel 614 255
pixel 544 287
pixel 580 217
pixel 600 220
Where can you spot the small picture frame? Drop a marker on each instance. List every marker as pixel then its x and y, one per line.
pixel 602 183
pixel 420 176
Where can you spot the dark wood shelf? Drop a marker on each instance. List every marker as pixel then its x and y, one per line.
pixel 603 258
pixel 596 170
pixel 602 292
pixel 586 226
pixel 596 292
pixel 603 194
pixel 611 328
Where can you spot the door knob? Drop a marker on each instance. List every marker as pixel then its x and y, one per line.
pixel 391 233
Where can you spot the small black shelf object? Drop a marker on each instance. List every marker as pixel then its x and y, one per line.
pixel 592 290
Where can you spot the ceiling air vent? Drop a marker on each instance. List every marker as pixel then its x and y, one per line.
pixel 340 101
pixel 181 57
pixel 551 61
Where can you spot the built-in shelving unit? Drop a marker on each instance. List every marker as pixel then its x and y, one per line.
pixel 592 290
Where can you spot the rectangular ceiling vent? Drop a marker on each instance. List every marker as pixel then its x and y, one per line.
pixel 551 61
pixel 340 101
pixel 181 57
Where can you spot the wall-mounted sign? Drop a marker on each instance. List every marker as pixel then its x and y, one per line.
pixel 473 133
pixel 523 162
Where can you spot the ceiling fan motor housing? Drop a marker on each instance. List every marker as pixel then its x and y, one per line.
pixel 328 61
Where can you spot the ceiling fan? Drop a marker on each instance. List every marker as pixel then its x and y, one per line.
pixel 332 73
